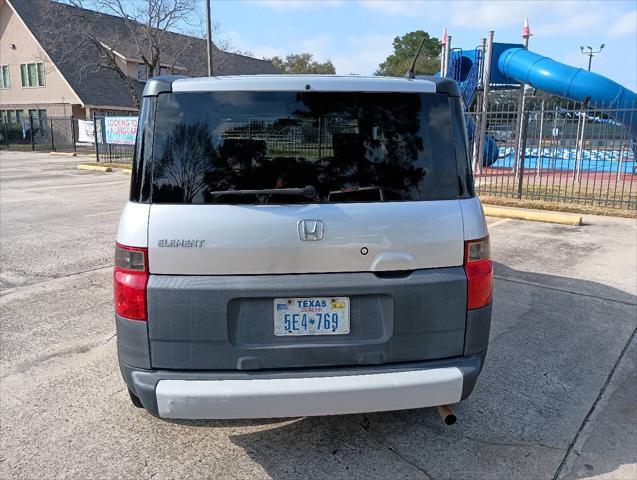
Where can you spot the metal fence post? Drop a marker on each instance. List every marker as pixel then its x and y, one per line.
pixel 525 128
pixel 73 134
pixel 31 133
pixel 97 148
pixel 540 145
pixel 52 140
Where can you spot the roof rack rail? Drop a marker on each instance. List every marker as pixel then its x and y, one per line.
pixel 162 84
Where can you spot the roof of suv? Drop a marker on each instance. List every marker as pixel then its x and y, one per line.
pixel 316 83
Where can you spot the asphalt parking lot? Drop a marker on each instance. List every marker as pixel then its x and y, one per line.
pixel 556 398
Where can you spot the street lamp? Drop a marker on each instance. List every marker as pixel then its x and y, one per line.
pixel 591 53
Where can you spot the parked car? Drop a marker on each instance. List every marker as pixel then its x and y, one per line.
pixel 344 268
pixel 501 133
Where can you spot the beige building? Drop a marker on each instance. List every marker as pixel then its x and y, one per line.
pixel 51 71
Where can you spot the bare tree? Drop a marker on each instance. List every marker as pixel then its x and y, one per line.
pixel 149 24
pixel 145 34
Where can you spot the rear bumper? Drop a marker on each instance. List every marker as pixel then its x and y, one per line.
pixel 222 395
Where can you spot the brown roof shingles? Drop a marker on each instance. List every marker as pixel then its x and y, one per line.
pixel 58 27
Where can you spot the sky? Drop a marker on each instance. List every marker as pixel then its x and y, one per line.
pixel 357 35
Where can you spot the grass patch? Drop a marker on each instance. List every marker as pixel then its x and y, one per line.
pixel 558 206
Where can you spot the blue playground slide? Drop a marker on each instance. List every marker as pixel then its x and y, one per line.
pixel 513 64
pixel 570 82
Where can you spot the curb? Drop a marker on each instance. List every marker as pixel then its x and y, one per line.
pixel 97 168
pixel 62 154
pixel 533 215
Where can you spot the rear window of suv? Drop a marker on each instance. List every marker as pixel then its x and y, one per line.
pixel 226 147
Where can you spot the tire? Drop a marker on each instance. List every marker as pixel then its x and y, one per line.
pixel 134 399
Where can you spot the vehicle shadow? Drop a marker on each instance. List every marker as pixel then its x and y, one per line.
pixel 554 341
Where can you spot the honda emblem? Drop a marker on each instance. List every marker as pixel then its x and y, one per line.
pixel 310 230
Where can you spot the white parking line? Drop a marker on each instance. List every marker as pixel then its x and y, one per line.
pixel 102 213
pixel 499 222
pixel 76 185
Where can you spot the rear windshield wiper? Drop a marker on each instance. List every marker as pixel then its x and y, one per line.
pixel 308 191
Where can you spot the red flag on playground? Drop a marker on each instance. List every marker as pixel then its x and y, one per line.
pixel 444 37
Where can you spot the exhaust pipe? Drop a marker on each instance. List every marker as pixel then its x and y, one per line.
pixel 446 414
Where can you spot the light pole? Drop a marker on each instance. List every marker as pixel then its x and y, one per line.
pixel 209 37
pixel 591 53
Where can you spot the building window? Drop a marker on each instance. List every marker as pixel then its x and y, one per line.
pixel 11 116
pixel 3 116
pixel 32 74
pixel 33 118
pixel 5 81
pixel 142 71
pixel 19 116
pixel 44 124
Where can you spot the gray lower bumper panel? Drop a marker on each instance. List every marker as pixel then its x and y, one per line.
pixel 293 397
pixel 303 392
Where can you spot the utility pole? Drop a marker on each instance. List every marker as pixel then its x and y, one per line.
pixel 443 44
pixel 209 37
pixel 591 53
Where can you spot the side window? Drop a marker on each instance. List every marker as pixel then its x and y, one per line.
pixel 5 80
pixel 142 71
pixel 32 74
pixel 142 161
pixel 43 119
pixel 463 159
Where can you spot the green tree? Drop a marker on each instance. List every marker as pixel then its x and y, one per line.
pixel 405 47
pixel 302 63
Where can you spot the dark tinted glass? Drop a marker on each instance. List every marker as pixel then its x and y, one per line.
pixel 140 181
pixel 351 147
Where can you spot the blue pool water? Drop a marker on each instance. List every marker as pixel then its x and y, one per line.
pixel 565 159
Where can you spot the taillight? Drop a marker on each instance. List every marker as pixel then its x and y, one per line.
pixel 479 269
pixel 131 278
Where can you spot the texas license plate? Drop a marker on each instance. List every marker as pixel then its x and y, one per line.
pixel 311 316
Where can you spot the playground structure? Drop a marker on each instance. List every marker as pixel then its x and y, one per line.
pixel 580 151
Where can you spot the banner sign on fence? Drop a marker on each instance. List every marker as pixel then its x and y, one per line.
pixel 86 131
pixel 121 130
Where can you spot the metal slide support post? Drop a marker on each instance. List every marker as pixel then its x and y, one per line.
pixel 577 142
pixel 518 124
pixel 525 127
pixel 539 157
pixel 447 52
pixel 478 120
pixel 443 49
pixel 580 151
pixel 97 148
pixel 485 98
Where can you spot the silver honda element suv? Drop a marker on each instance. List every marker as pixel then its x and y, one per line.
pixel 301 245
